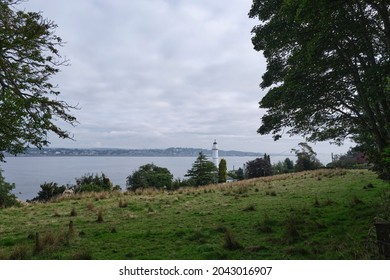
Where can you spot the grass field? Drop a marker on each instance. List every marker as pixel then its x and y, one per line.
pixel 323 214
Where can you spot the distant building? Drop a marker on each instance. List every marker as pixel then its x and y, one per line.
pixel 215 153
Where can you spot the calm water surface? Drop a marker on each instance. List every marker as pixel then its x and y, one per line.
pixel 28 173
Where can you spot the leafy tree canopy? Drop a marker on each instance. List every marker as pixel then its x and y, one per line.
pixel 306 158
pixel 328 64
pixel 150 175
pixel 29 57
pixel 259 167
pixel 7 198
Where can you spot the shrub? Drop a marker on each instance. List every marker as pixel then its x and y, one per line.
pixel 93 183
pixel 48 191
pixel 7 199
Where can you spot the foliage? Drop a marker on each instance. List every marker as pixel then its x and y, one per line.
pixel 7 199
pixel 281 167
pixel 259 167
pixel 150 175
pixel 93 183
pixel 328 64
pixel 222 171
pixel 203 171
pixel 352 159
pixel 306 158
pixel 237 174
pixel 49 191
pixel 29 57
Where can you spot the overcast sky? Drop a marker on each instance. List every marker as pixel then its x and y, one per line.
pixel 162 73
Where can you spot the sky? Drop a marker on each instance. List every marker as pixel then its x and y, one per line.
pixel 162 73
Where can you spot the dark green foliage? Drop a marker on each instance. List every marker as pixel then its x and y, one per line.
pixel 150 176
pixel 352 159
pixel 237 174
pixel 222 171
pixel 306 158
pixel 281 167
pixel 258 168
pixel 49 191
pixel 7 199
pixel 93 183
pixel 29 104
pixel 328 68
pixel 203 171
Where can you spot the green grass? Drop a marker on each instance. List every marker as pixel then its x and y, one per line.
pixel 324 214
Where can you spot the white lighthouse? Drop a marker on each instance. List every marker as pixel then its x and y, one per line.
pixel 215 153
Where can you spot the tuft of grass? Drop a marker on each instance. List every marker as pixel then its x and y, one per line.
pixel 122 204
pixel 90 207
pixel 230 241
pixel 82 254
pixel 20 252
pixel 266 225
pixel 71 231
pixel 100 216
pixel 249 208
pixel 316 202
pixel 73 213
pixel 291 233
pixel 38 244
pixel 356 201
pixel 270 193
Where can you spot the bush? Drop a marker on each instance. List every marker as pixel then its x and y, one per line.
pixel 7 199
pixel 93 183
pixel 48 191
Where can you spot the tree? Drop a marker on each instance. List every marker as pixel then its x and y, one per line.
pixel 328 64
pixel 7 199
pixel 285 166
pixel 222 171
pixel 29 57
pixel 352 159
pixel 259 167
pixel 306 158
pixel 203 171
pixel 289 165
pixel 150 175
pixel 237 174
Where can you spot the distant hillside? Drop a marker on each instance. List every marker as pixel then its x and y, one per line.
pixel 170 152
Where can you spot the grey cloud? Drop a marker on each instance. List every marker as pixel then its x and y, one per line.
pixel 160 73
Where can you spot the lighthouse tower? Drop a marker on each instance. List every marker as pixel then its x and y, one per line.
pixel 215 153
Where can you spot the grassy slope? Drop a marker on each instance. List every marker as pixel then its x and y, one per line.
pixel 325 214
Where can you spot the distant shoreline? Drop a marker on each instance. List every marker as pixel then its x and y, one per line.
pixel 112 152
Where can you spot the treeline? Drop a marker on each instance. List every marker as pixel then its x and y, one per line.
pixel 202 172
